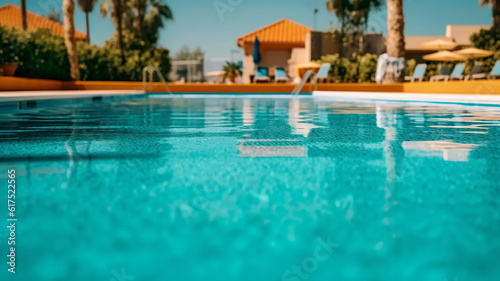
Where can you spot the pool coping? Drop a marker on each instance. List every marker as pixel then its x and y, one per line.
pixel 458 98
pixel 48 95
pixel 474 99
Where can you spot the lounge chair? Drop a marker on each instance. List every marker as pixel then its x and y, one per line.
pixel 476 69
pixel 418 73
pixel 444 73
pixel 495 72
pixel 323 73
pixel 262 74
pixel 457 73
pixel 280 75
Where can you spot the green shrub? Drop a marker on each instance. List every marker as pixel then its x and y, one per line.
pixel 39 54
pixel 358 69
pixel 410 67
pixel 487 39
pixel 43 55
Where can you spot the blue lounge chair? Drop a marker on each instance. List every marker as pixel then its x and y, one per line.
pixel 262 74
pixel 457 73
pixel 280 75
pixel 323 73
pixel 495 73
pixel 418 73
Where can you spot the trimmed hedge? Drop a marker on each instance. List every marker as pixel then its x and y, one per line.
pixel 358 69
pixel 39 54
pixel 43 55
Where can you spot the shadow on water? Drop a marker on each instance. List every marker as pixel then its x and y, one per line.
pixel 79 157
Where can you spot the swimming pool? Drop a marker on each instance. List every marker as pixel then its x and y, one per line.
pixel 242 188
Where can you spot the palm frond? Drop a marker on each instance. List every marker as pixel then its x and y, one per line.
pixel 87 6
pixel 105 8
pixel 486 2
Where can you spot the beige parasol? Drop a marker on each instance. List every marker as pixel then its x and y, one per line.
pixel 444 56
pixel 439 45
pixel 474 53
pixel 302 68
pixel 215 74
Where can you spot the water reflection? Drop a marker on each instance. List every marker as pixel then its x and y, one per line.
pixel 301 127
pixel 298 118
pixel 451 151
pixel 248 113
pixel 275 148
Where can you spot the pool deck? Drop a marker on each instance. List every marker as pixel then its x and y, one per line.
pixel 478 91
pixel 474 99
pixel 46 95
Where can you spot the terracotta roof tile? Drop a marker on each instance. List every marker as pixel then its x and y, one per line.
pixel 10 15
pixel 284 31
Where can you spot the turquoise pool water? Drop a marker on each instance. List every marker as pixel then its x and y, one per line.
pixel 231 188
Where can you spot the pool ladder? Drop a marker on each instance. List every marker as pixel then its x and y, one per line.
pixel 309 74
pixel 148 72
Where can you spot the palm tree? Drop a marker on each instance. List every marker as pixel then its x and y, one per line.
pixel 23 14
pixel 362 10
pixel 68 8
pixel 396 34
pixel 87 6
pixel 337 7
pixel 116 9
pixel 367 6
pixel 148 24
pixel 496 11
pixel 353 15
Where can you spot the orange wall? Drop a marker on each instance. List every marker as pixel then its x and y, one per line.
pixel 26 84
pixel 102 85
pixel 484 87
pixel 481 87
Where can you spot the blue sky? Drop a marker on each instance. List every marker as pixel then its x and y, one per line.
pixel 198 23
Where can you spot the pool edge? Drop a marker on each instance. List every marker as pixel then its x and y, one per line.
pixel 472 99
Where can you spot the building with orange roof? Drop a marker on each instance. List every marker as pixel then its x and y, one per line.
pixel 287 43
pixel 10 15
pixel 282 43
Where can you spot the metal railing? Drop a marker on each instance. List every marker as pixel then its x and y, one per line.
pixel 309 74
pixel 148 72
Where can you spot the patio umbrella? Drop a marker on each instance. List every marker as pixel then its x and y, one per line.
pixel 474 53
pixel 257 58
pixel 444 56
pixel 439 45
pixel 215 74
pixel 302 68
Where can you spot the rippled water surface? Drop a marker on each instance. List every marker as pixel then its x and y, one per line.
pixel 252 189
